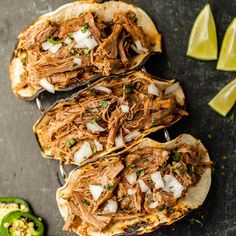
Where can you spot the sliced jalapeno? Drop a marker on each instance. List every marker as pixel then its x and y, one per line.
pixel 9 204
pixel 21 223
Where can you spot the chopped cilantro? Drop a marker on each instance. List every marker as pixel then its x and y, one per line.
pixel 191 169
pixel 176 156
pixel 222 166
pixel 209 136
pixel 132 166
pixel 128 88
pixel 170 210
pixel 86 202
pixel 86 51
pixel 141 173
pixel 225 157
pixel 74 65
pixel 154 121
pixel 94 149
pixel 108 187
pixel 193 221
pixel 85 28
pixel 104 104
pixel 181 172
pixel 231 118
pixel 150 181
pixel 70 143
pixel 53 41
pixel 92 122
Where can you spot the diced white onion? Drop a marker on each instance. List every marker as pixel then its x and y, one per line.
pixel 83 153
pixel 131 178
pixel 157 179
pixel 96 191
pixel 172 88
pixel 133 135
pixel 143 186
pixel 78 61
pixel 153 205
pixel 55 48
pixel 18 70
pixel 68 41
pixel 80 34
pixel 98 145
pixel 85 39
pixel 111 206
pixel 47 86
pixel 152 89
pixel 172 185
pixel 46 45
pixel 90 43
pixel 125 108
pixel 94 127
pixel 119 142
pixel 131 191
pixel 104 89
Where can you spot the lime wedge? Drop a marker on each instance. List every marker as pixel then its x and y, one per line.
pixel 225 99
pixel 227 59
pixel 203 40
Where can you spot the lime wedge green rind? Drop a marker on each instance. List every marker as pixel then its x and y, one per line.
pixel 227 58
pixel 203 39
pixel 225 99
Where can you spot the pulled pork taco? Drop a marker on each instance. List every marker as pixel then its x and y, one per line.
pixel 151 185
pixel 111 114
pixel 80 42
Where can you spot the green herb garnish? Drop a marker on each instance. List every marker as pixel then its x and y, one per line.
pixel 170 210
pixel 191 169
pixel 94 149
pixel 176 156
pixel 209 136
pixel 132 166
pixel 141 173
pixel 86 202
pixel 150 181
pixel 128 88
pixel 86 51
pixel 231 118
pixel 74 65
pixel 85 28
pixel 104 104
pixel 70 143
pixel 53 41
pixel 154 121
pixel 92 122
pixel 182 172
pixel 108 187
pixel 193 221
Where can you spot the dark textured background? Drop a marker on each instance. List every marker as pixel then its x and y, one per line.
pixel 25 174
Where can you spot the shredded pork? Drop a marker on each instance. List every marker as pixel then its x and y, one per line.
pixel 144 161
pixel 73 120
pixel 112 49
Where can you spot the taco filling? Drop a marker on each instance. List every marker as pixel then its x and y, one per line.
pixel 55 55
pixel 109 115
pixel 145 181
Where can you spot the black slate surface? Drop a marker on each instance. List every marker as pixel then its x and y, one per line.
pixel 25 174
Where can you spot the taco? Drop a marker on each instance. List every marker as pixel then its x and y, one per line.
pixel 151 185
pixel 109 115
pixel 80 42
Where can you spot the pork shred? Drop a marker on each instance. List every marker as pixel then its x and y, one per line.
pixel 112 53
pixel 69 121
pixel 86 213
